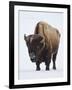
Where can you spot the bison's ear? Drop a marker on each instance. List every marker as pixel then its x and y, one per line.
pixel 25 37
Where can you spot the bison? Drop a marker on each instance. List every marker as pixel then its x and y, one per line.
pixel 43 44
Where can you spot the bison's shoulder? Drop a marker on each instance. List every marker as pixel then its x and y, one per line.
pixel 50 34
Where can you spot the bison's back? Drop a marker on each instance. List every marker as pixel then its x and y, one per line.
pixel 49 33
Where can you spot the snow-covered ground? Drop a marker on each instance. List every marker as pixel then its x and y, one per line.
pixel 26 75
pixel 29 72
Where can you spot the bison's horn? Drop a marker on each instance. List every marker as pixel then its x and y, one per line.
pixel 25 36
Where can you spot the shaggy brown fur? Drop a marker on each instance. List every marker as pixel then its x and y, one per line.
pixel 50 34
pixel 51 37
pixel 43 44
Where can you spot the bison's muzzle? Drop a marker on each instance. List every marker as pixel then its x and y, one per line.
pixel 32 57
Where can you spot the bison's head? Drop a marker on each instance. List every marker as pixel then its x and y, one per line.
pixel 35 44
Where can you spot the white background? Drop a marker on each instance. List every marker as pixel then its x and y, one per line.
pixel 27 24
pixel 4 44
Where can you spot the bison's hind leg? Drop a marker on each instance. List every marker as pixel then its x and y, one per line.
pixel 54 60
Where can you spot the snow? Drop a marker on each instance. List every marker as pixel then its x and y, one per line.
pixel 24 75
pixel 29 72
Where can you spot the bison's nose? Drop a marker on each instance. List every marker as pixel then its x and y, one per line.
pixel 32 55
pixel 33 60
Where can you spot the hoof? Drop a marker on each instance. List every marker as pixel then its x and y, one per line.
pixel 38 69
pixel 47 69
pixel 54 68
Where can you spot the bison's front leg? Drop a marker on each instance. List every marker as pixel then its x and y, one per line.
pixel 47 62
pixel 38 66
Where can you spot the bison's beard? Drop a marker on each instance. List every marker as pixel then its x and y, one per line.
pixel 33 60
